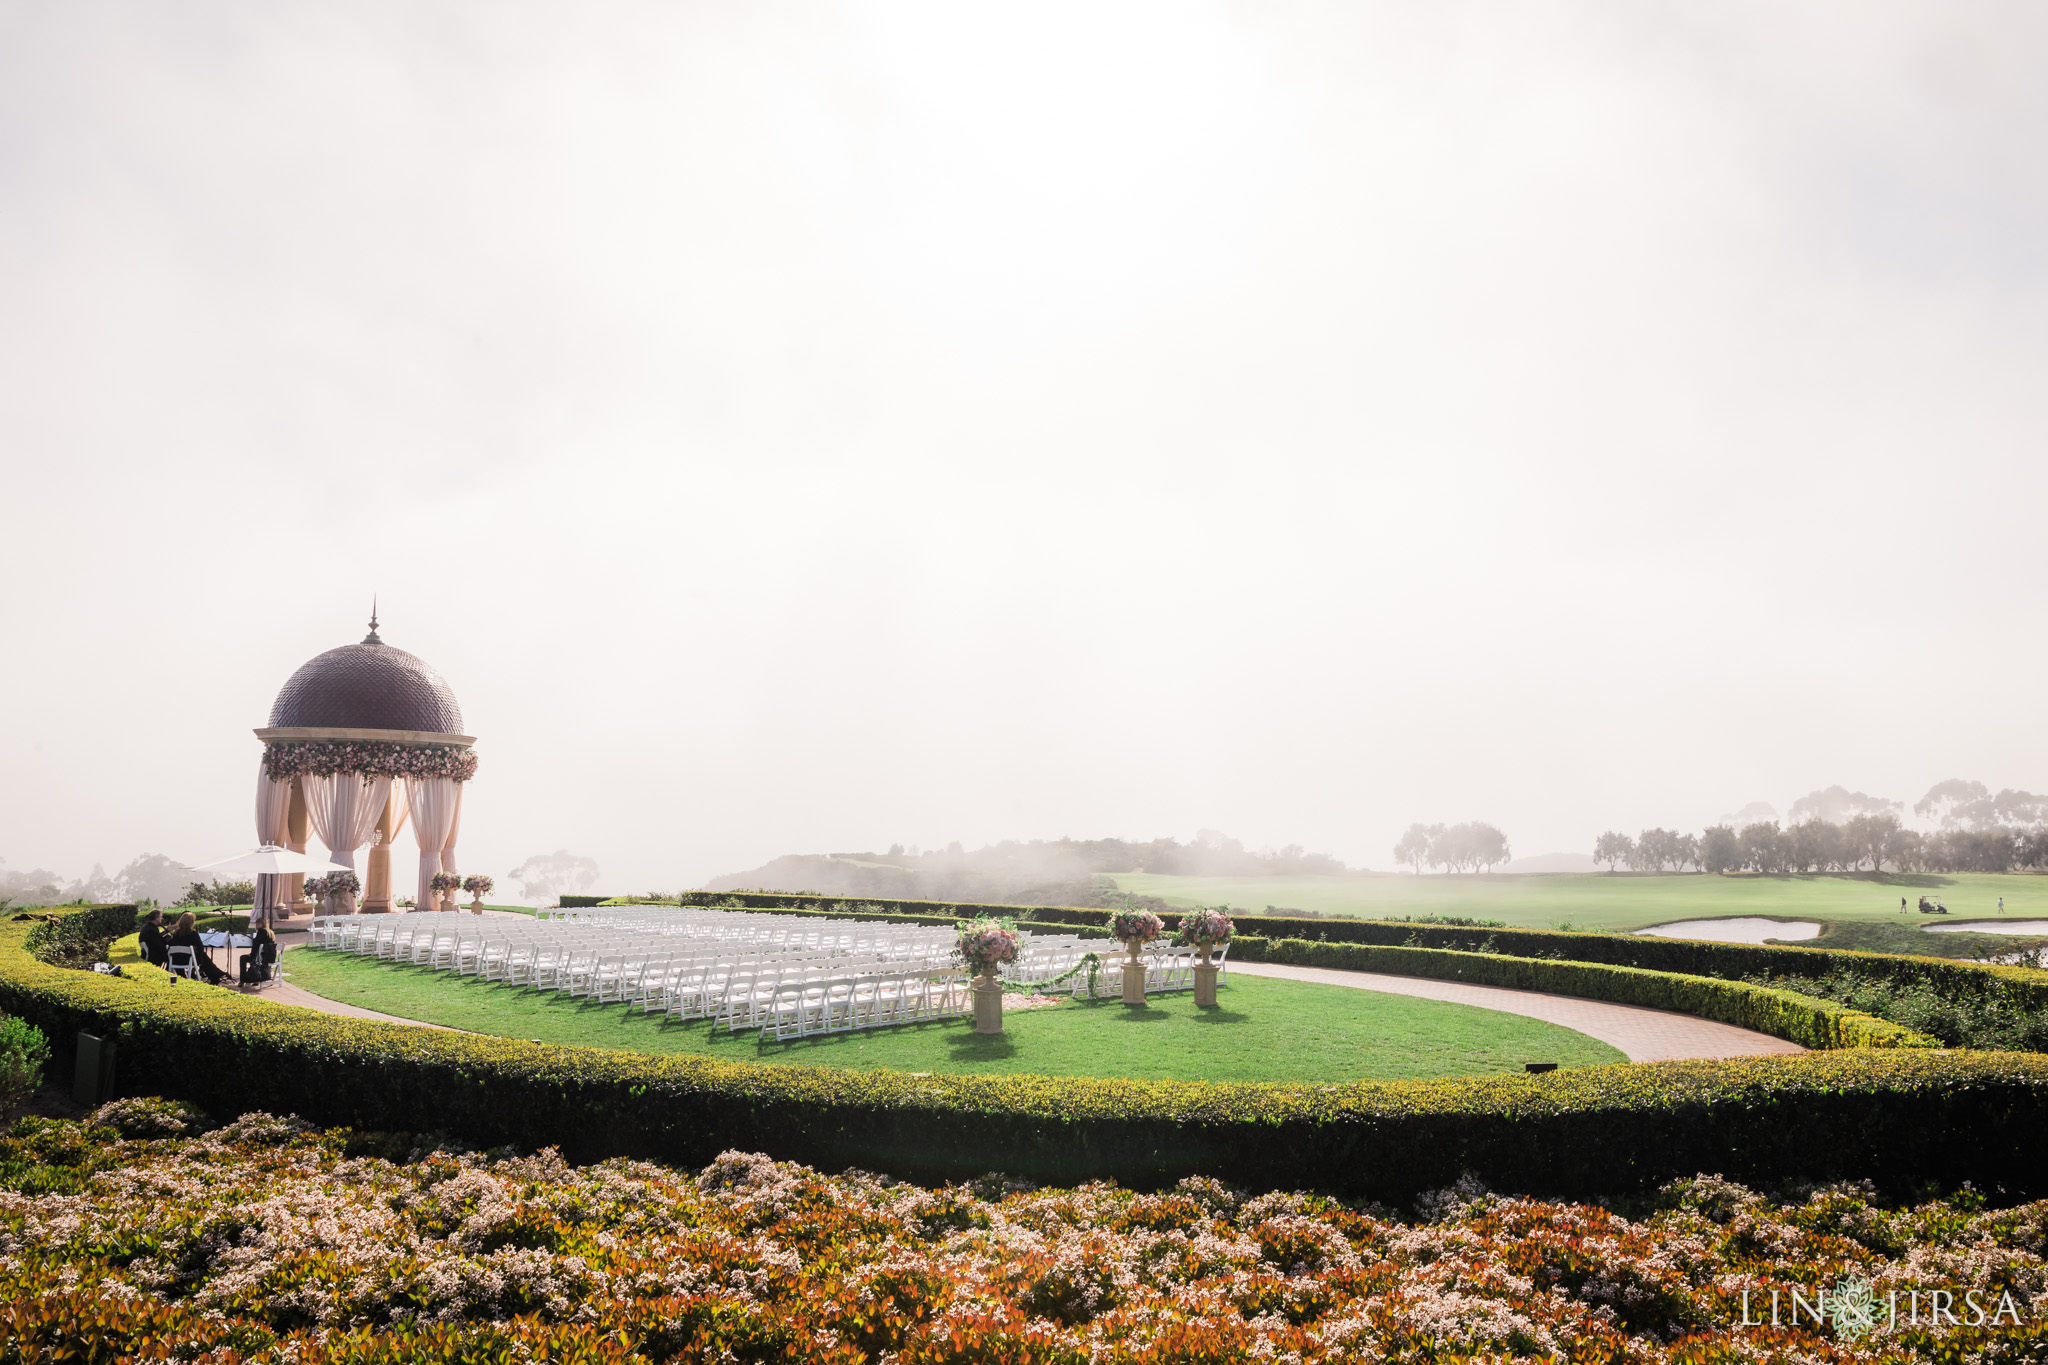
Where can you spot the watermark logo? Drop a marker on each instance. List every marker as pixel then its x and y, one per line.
pixel 1854 1309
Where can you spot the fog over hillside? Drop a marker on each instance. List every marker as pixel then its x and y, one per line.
pixel 1041 872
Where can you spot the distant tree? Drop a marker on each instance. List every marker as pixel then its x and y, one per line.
pixel 549 875
pixel 1905 849
pixel 1837 804
pixel 1953 802
pixel 1867 838
pixel 1487 846
pixel 1765 847
pixel 1656 849
pixel 1720 849
pixel 1413 847
pixel 2034 849
pixel 1686 852
pixel 1468 847
pixel 1813 846
pixel 1613 847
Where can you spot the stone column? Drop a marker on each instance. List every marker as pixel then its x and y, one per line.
pixel 1205 981
pixel 988 1005
pixel 377 878
pixel 298 829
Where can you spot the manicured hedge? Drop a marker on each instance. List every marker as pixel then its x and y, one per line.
pixel 67 931
pixel 1900 1117
pixel 1782 1014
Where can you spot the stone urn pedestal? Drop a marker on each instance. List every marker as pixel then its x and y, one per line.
pixel 988 1005
pixel 476 906
pixel 1205 981
pixel 1134 975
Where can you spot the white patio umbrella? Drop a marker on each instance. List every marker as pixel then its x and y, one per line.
pixel 267 861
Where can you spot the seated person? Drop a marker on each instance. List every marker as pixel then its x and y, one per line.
pixel 187 936
pixel 152 939
pixel 256 963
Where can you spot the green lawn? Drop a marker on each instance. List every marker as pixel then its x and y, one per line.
pixel 1601 901
pixel 1266 1030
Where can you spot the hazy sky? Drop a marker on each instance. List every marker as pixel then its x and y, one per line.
pixel 809 427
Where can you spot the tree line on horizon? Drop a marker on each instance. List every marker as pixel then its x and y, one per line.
pixel 1845 831
pixel 1470 847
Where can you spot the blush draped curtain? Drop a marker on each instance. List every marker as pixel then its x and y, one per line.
pixel 344 809
pixel 436 814
pixel 273 812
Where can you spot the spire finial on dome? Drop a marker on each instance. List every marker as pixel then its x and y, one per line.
pixel 372 638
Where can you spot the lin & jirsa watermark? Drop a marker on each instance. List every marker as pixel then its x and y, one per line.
pixel 1853 1308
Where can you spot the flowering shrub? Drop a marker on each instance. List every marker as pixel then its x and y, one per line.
pixel 323 758
pixel 478 885
pixel 986 944
pixel 1205 928
pixel 24 1052
pixel 1134 926
pixel 264 1241
pixel 444 881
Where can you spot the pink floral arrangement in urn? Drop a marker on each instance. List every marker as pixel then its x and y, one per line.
pixel 478 886
pixel 1133 927
pixel 986 944
pixel 1205 928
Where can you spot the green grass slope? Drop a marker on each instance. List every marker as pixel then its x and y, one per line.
pixel 1601 901
pixel 1266 1030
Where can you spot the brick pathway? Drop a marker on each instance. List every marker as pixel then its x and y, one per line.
pixel 1642 1035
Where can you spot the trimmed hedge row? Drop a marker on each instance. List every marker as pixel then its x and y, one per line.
pixel 2024 987
pixel 1893 1116
pixel 1782 1014
pixel 65 933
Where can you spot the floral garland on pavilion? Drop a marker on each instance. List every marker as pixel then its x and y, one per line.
pixel 325 758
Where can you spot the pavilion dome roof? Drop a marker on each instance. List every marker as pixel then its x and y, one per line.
pixel 367 686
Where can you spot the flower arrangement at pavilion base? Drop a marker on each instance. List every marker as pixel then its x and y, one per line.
pixel 478 886
pixel 332 889
pixel 444 885
pixel 148 1233
pixel 324 758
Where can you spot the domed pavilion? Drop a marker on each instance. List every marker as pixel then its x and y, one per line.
pixel 362 740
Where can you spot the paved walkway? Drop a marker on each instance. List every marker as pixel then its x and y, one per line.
pixel 1642 1035
pixel 285 993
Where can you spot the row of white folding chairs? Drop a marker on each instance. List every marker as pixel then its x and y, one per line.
pixel 842 1003
pixel 736 994
pixel 749 991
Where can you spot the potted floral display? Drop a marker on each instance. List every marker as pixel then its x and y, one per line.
pixel 1134 929
pixel 478 886
pixel 444 885
pixel 985 945
pixel 1205 929
pixel 338 891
